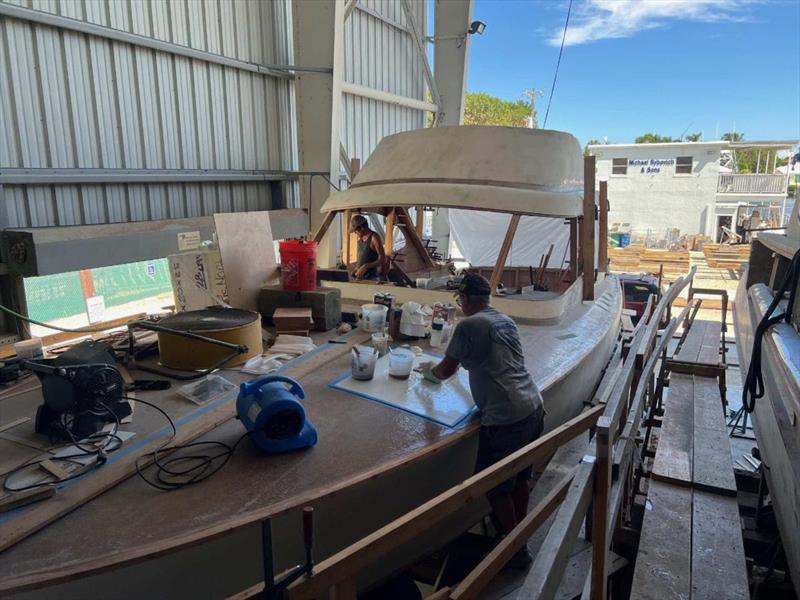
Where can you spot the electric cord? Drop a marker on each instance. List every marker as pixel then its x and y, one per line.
pixel 177 472
pixel 55 327
pixel 100 452
pixel 753 388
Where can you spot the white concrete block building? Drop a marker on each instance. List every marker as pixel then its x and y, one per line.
pixel 656 187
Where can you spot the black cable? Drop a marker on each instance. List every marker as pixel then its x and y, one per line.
pixel 101 453
pixel 54 327
pixel 558 65
pixel 754 382
pixel 170 475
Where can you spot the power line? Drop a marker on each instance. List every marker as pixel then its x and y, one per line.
pixel 558 64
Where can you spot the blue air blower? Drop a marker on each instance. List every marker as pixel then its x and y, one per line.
pixel 273 414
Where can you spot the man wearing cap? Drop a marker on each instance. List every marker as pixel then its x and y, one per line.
pixel 487 344
pixel 370 256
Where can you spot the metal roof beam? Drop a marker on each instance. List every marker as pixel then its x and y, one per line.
pixel 59 22
pixel 422 55
pixel 76 176
pixel 366 92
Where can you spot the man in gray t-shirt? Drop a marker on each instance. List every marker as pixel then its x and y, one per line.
pixel 487 344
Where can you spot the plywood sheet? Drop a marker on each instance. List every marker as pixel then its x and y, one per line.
pixel 447 404
pixel 664 560
pixel 673 462
pixel 718 564
pixel 248 255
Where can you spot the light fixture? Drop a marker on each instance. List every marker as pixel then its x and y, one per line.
pixel 477 27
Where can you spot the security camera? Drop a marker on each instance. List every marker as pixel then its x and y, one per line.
pixel 477 27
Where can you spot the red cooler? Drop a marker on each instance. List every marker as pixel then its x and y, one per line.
pixel 298 265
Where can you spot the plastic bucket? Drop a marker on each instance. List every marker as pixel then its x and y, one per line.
pixel 373 317
pixel 298 265
pixel 401 362
pixel 624 240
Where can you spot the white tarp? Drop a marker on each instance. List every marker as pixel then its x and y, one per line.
pixel 479 235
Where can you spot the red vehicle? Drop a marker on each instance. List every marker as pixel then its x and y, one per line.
pixel 637 289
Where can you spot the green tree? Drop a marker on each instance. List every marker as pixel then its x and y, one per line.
pixel 653 138
pixel 694 137
pixel 755 159
pixel 591 142
pixel 484 109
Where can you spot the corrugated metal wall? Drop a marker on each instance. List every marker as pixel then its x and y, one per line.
pixel 74 100
pixel 380 54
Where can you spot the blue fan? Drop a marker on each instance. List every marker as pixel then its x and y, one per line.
pixel 273 414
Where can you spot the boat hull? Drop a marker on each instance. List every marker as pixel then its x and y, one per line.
pixel 226 563
pixel 775 418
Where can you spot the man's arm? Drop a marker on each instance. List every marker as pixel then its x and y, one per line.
pixel 446 368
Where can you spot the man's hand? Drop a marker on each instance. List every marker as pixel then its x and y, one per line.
pixel 359 272
pixel 426 370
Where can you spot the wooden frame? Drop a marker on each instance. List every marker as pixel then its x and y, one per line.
pixel 587 228
pixel 346 564
pixel 504 250
pixel 602 226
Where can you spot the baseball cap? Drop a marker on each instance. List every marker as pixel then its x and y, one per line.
pixel 474 284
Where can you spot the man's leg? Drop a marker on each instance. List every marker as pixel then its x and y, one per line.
pixel 521 496
pixel 502 505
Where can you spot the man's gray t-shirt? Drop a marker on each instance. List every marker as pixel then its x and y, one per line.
pixel 487 345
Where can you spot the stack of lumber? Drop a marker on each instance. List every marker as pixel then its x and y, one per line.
pixel 723 256
pixel 637 259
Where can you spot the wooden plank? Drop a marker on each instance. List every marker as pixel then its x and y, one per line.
pixel 248 255
pixel 600 510
pixel 81 491
pixel 602 227
pixel 346 237
pixel 587 227
pixel 388 242
pixel 690 349
pixel 493 562
pixel 718 559
pixel 545 574
pixel 355 557
pixel 413 238
pixel 573 249
pixel 673 462
pixel 323 228
pixel 709 347
pixel 663 564
pixel 712 467
pixel 708 412
pixel 504 250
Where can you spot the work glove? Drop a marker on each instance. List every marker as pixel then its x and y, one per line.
pixel 426 370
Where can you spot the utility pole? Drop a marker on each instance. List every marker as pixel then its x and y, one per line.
pixel 533 123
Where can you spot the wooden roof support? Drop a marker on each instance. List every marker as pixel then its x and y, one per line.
pixel 388 242
pixel 587 228
pixel 412 237
pixel 574 258
pixel 602 226
pixel 323 228
pixel 497 274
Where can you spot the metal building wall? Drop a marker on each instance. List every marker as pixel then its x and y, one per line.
pixel 380 54
pixel 72 100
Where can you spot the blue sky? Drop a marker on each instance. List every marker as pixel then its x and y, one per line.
pixel 634 66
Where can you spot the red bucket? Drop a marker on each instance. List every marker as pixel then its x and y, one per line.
pixel 298 265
